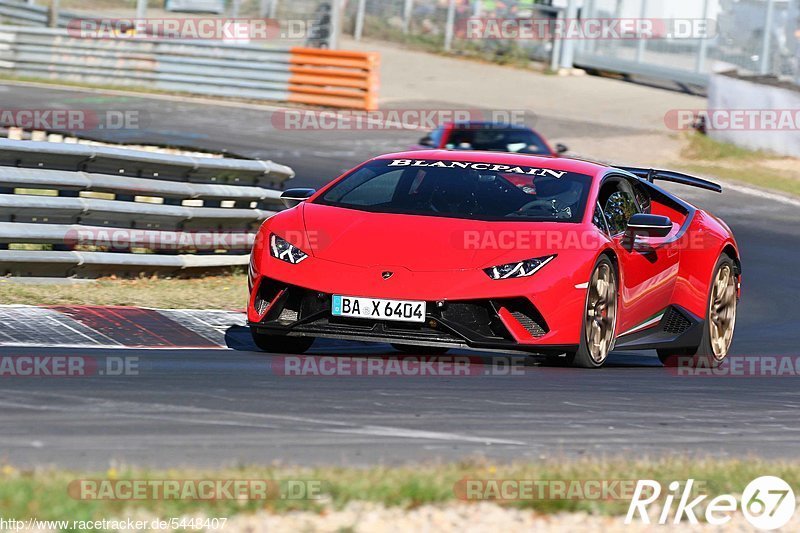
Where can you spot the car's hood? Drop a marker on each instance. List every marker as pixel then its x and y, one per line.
pixel 420 243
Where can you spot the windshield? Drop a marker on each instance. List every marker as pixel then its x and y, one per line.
pixel 456 189
pixel 497 140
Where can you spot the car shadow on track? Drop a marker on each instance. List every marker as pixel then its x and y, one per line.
pixel 238 338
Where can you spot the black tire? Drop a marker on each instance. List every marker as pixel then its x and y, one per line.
pixel 584 357
pixel 704 353
pixel 281 343
pixel 420 350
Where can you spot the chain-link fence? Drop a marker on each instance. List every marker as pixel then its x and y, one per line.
pixel 691 38
pixel 753 36
pixel 445 25
pixel 429 24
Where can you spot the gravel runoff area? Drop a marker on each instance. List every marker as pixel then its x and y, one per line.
pixel 461 518
pixel 360 517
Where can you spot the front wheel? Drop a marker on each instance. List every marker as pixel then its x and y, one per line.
pixel 599 317
pixel 281 343
pixel 719 325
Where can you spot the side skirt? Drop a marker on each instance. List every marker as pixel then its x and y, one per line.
pixel 673 328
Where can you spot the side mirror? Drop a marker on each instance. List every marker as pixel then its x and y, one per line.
pixel 426 141
pixel 649 225
pixel 561 148
pixel 293 197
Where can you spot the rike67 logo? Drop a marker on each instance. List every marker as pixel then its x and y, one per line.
pixel 767 503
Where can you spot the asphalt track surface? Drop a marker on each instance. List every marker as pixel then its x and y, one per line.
pixel 229 407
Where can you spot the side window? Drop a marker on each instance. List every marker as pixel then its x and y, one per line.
pixel 642 196
pixel 619 207
pixel 598 219
pixel 461 139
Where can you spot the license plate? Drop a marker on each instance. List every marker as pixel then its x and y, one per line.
pixel 378 309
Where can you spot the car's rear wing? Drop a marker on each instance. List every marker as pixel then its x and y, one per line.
pixel 651 175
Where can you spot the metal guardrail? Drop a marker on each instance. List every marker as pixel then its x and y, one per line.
pixel 23 13
pixel 102 210
pixel 593 61
pixel 289 74
pixel 195 6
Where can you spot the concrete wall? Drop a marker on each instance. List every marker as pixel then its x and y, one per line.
pixel 761 99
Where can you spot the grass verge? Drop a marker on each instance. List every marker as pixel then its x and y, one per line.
pixel 211 292
pixel 44 494
pixel 703 155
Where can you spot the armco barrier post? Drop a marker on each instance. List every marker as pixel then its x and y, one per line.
pixel 141 9
pixel 767 42
pixel 449 28
pixel 702 50
pixel 408 7
pixel 359 29
pixel 336 24
pixel 568 45
pixel 52 20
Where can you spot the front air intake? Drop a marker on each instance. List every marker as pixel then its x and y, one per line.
pixel 527 315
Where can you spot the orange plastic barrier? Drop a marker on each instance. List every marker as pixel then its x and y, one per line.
pixel 335 78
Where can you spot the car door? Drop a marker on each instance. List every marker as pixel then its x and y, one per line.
pixel 648 268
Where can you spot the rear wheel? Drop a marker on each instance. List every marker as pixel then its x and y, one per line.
pixel 281 343
pixel 719 325
pixel 599 317
pixel 420 350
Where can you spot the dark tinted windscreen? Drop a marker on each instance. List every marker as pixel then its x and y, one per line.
pixel 481 191
pixel 497 140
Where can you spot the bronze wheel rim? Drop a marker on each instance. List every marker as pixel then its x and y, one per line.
pixel 601 313
pixel 722 312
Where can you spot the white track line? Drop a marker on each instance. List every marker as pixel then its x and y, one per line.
pixel 183 413
pixel 775 197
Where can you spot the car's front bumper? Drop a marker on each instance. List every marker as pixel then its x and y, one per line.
pixel 506 323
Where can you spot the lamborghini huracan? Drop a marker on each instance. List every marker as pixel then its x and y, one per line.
pixel 433 250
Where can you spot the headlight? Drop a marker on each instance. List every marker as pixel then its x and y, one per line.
pixel 523 269
pixel 280 249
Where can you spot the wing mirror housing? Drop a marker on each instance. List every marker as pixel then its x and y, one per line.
pixel 426 141
pixel 561 148
pixel 293 197
pixel 649 225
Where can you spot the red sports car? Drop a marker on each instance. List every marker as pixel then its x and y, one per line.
pixel 430 250
pixel 490 137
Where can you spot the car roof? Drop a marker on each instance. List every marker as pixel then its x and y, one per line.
pixel 488 125
pixel 503 158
